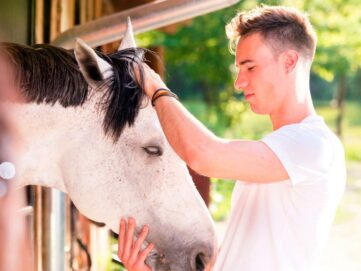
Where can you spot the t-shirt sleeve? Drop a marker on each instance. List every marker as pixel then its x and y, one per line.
pixel 305 152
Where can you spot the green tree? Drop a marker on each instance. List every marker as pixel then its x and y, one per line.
pixel 338 55
pixel 200 64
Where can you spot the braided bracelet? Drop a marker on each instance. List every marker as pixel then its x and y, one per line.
pixel 163 92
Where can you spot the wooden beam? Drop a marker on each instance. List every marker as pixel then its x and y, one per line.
pixel 39 21
pixel 62 16
pixel 67 15
pixel 55 18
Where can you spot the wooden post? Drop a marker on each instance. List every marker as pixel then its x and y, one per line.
pixel 39 21
pixel 51 215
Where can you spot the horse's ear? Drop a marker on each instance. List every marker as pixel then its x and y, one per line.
pixel 128 40
pixel 94 69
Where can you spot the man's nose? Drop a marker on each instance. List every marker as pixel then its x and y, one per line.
pixel 241 82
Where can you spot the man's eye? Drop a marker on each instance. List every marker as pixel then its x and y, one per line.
pixel 153 150
pixel 250 68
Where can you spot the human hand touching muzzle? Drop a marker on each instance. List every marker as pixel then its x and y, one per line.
pixel 130 249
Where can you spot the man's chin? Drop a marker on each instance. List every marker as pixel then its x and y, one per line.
pixel 258 110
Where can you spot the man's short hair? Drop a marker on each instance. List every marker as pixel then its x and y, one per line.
pixel 283 28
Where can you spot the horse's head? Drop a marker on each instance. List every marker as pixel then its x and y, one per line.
pixel 123 168
pixel 93 134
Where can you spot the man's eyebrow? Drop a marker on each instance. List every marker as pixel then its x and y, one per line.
pixel 245 62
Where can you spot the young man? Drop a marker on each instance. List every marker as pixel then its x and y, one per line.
pixel 290 182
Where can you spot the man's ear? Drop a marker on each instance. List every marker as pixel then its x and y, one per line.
pixel 289 59
pixel 94 69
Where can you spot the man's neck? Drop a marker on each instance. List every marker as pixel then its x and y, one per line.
pixel 297 105
pixel 293 112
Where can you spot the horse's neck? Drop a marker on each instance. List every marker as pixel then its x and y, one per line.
pixel 44 134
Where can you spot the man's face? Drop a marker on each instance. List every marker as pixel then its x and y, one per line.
pixel 260 74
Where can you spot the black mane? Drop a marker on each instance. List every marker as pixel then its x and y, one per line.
pixel 49 74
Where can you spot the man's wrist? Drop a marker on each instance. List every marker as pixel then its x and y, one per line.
pixel 154 89
pixel 160 92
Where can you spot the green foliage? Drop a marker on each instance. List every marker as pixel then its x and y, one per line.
pixel 113 248
pixel 338 25
pixel 199 64
pixel 221 198
pixel 354 89
pixel 201 51
pixel 322 89
pixel 352 127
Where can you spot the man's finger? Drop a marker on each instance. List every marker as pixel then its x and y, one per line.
pixel 141 238
pixel 129 234
pixel 144 254
pixel 121 238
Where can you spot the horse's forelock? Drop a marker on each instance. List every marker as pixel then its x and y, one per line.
pixel 48 74
pixel 124 97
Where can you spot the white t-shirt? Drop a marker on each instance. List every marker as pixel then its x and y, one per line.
pixel 281 226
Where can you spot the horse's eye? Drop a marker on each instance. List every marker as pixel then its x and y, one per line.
pixel 153 150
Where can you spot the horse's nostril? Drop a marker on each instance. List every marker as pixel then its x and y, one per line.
pixel 201 256
pixel 200 262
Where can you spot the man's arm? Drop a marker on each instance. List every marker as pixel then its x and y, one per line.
pixel 250 161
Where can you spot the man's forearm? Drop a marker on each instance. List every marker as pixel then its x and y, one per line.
pixel 189 138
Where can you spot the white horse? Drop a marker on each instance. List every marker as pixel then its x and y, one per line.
pixel 100 141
